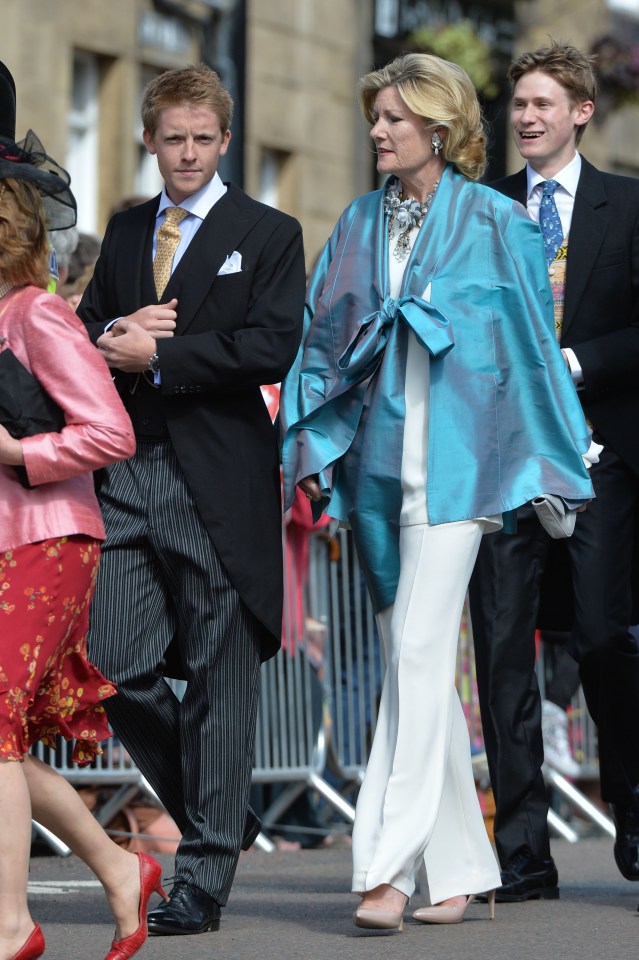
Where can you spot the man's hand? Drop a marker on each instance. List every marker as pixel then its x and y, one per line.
pixel 130 343
pixel 130 349
pixel 158 320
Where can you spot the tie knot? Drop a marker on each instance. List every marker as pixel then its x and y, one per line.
pixel 549 187
pixel 174 216
pixel 168 240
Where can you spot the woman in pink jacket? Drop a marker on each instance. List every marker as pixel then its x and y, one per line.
pixel 50 533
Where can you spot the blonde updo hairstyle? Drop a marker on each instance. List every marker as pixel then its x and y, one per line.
pixel 444 95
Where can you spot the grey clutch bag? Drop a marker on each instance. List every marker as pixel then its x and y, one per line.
pixel 555 517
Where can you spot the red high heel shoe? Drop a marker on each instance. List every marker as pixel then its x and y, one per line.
pixel 150 873
pixel 33 947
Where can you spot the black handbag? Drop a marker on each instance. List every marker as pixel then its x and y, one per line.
pixel 25 408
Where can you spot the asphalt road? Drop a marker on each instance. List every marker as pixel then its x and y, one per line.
pixel 296 906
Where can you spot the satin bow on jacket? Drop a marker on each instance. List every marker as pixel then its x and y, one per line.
pixel 505 424
pixel 363 354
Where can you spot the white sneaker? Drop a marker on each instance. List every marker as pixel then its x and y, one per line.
pixel 554 728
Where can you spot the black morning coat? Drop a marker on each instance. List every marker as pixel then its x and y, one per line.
pixel 234 332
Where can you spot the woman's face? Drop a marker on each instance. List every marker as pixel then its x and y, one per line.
pixel 402 138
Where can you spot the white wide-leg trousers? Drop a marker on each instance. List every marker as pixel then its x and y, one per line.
pixel 418 809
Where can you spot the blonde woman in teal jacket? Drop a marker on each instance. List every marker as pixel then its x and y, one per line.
pixel 429 399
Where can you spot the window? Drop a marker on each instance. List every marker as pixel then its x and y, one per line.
pixel 629 7
pixel 82 160
pixel 270 168
pixel 147 181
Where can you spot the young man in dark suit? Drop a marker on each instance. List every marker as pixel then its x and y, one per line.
pixel 197 300
pixel 592 246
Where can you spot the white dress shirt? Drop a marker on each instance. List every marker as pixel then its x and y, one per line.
pixel 198 206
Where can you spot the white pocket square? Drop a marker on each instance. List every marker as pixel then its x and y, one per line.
pixel 232 264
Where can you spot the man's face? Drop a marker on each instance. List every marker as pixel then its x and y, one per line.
pixel 545 122
pixel 188 143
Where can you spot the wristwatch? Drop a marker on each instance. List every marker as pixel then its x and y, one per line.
pixel 154 363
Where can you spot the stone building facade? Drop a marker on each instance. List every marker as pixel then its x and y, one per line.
pixel 80 67
pixel 292 66
pixel 304 129
pixel 612 137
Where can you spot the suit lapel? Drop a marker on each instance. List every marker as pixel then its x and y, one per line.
pixel 590 218
pixel 222 230
pixel 147 282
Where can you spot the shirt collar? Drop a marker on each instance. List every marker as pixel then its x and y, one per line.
pixel 567 178
pixel 198 203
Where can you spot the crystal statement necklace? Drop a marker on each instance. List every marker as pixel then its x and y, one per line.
pixel 408 213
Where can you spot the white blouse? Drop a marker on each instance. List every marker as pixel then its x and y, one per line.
pixel 414 470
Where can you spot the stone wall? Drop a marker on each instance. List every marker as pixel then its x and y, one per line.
pixel 303 62
pixel 38 41
pixel 303 59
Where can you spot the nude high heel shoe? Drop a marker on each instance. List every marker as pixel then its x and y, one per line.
pixel 378 919
pixel 450 913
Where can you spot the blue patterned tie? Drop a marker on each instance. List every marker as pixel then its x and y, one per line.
pixel 549 221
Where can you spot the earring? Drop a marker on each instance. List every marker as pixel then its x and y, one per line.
pixel 436 143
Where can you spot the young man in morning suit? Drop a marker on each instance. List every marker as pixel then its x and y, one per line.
pixel 594 273
pixel 193 520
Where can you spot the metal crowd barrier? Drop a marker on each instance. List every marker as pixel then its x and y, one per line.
pixel 113 768
pixel 292 723
pixel 354 671
pixel 291 733
pixel 582 734
pixel 318 704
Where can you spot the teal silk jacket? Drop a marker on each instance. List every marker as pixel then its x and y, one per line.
pixel 505 423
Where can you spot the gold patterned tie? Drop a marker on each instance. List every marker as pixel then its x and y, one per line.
pixel 168 240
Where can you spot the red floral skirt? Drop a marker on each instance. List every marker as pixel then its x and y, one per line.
pixel 47 684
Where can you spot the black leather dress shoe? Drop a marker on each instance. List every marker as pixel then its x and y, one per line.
pixel 528 879
pixel 252 827
pixel 188 910
pixel 626 846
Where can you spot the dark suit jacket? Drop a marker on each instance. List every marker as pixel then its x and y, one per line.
pixel 601 325
pixel 601 310
pixel 234 332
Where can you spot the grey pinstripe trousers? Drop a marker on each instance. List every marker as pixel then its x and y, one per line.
pixel 160 576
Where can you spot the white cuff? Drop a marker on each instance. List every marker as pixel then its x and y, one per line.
pixel 574 365
pixel 592 454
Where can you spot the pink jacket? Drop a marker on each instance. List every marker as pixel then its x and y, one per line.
pixel 51 342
